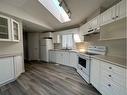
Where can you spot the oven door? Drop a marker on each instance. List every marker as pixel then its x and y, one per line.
pixel 84 62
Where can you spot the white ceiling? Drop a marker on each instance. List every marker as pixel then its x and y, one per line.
pixel 80 9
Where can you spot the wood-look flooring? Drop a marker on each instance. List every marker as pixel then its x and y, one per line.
pixel 48 79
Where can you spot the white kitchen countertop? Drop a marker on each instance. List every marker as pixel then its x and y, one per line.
pixel 121 62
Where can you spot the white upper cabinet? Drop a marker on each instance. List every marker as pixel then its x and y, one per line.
pixel 5 31
pixel 83 30
pixel 90 26
pixel 9 29
pixel 15 30
pixel 121 9
pixel 114 13
pixel 106 17
pixel 95 22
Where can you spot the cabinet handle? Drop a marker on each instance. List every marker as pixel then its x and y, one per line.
pixel 109 75
pixel 113 18
pixel 109 85
pixel 117 16
pixel 110 67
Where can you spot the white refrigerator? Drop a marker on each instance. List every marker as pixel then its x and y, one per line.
pixel 45 46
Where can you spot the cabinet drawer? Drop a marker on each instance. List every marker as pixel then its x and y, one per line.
pixel 118 79
pixel 111 88
pixel 113 68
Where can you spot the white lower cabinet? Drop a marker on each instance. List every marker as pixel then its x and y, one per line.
pixel 108 79
pixel 10 68
pixel 59 57
pixel 18 65
pixel 6 70
pixel 95 73
pixel 52 56
pixel 113 79
pixel 73 59
pixel 126 81
pixel 64 57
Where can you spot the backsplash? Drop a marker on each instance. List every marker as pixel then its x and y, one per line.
pixel 82 47
pixel 57 45
pixel 115 48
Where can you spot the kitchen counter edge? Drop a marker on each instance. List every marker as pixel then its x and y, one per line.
pixel 10 55
pixel 121 62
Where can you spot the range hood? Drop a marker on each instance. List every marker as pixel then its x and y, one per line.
pixel 93 31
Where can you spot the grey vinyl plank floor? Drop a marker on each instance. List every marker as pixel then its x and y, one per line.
pixel 48 79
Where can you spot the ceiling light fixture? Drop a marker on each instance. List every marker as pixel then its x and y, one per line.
pixel 55 7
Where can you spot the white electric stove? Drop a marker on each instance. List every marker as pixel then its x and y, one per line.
pixel 84 60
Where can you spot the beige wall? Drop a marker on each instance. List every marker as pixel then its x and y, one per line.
pixel 12 47
pixel 115 48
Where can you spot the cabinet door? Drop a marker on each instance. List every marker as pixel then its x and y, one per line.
pixel 6 70
pixel 58 57
pixel 53 57
pixel 18 63
pixel 107 16
pixel 121 9
pixel 66 58
pixel 15 30
pixel 126 82
pixel 84 29
pixel 112 79
pixel 50 56
pixel 73 59
pixel 94 23
pixel 5 33
pixel 95 72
